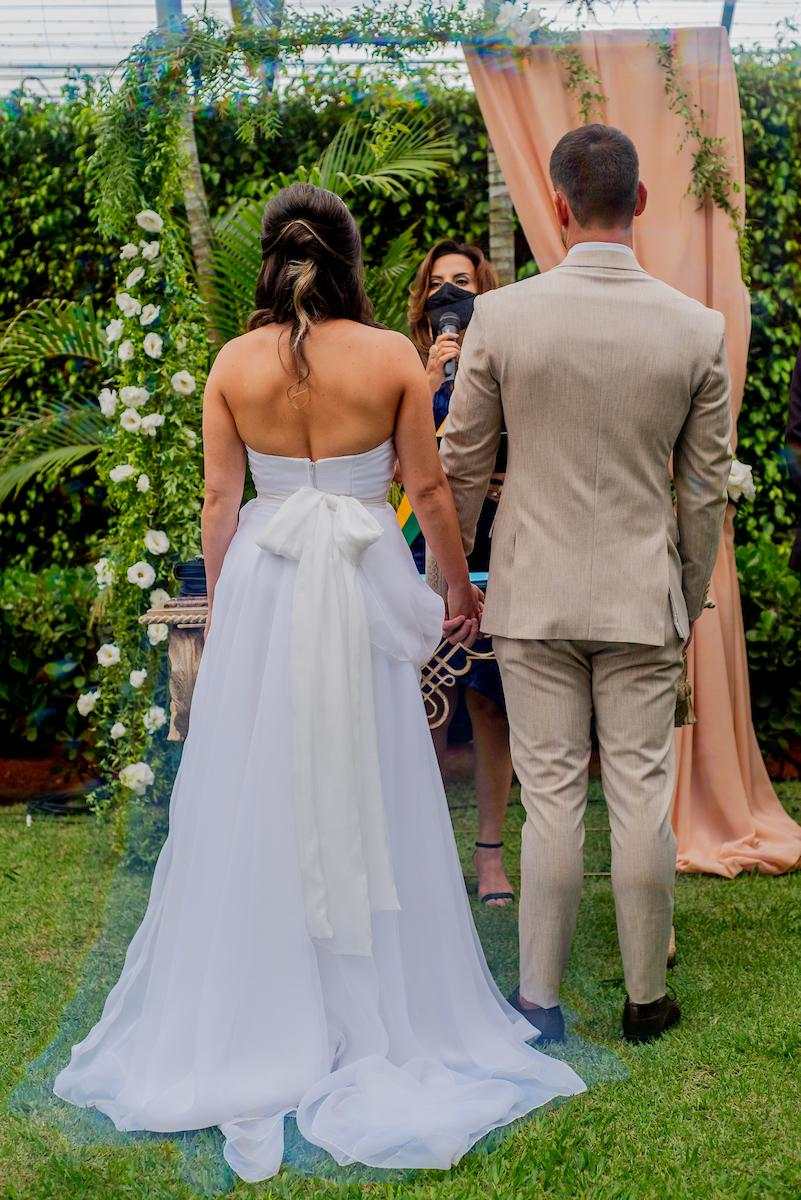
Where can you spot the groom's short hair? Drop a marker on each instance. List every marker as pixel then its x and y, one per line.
pixel 597 170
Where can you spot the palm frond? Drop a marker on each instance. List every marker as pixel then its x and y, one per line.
pixel 236 258
pixel 388 282
pixel 50 329
pixel 387 159
pixel 45 441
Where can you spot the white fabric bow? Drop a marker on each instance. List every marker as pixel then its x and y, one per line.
pixel 342 837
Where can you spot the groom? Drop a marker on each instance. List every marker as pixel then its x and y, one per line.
pixel 600 373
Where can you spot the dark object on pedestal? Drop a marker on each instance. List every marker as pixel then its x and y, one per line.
pixel 192 577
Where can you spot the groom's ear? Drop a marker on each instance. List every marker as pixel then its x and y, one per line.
pixel 642 199
pixel 562 210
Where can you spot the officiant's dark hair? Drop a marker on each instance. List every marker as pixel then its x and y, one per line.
pixel 311 269
pixel 597 169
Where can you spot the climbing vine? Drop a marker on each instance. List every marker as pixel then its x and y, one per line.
pixel 580 81
pixel 711 178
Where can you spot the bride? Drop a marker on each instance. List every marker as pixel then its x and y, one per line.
pixel 308 945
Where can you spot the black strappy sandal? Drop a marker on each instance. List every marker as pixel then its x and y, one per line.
pixel 492 895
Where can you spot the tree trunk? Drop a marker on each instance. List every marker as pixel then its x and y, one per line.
pixel 501 222
pixel 197 215
pixel 501 212
pixel 169 16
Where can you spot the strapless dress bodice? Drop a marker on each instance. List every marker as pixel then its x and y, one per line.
pixel 365 476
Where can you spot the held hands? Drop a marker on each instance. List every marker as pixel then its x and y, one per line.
pixel 465 607
pixel 445 348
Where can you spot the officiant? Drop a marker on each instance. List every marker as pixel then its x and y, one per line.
pixel 440 307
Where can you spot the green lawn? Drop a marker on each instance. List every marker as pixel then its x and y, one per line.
pixel 712 1111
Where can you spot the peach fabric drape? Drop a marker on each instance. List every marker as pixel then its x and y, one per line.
pixel 727 815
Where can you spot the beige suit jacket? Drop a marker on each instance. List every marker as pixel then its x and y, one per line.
pixel 600 373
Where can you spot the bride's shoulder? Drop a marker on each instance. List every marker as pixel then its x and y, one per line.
pixel 387 343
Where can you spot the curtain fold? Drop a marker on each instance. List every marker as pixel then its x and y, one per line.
pixel 727 815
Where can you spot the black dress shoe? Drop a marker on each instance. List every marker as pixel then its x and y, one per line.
pixel 645 1022
pixel 549 1021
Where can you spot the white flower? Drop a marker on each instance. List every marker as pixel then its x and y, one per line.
pixel 149 220
pixel 136 274
pixel 152 345
pixel 741 481
pixel 133 396
pixel 183 383
pixel 108 402
pixel 121 473
pixel 150 250
pixel 108 655
pixel 143 483
pixel 154 718
pixel 156 541
pixel 129 305
pixel 159 597
pixel 137 678
pixel 87 701
pixel 180 344
pixel 149 314
pixel 117 730
pixel 114 330
pixel 126 350
pixel 151 423
pixel 142 574
pixel 157 633
pixel 137 777
pixel 519 22
pixel 129 250
pixel 104 573
pixel 191 437
pixel 130 420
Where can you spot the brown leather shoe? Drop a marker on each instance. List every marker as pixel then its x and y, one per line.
pixel 645 1022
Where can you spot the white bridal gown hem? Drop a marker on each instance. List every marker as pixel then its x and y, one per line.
pixel 308 945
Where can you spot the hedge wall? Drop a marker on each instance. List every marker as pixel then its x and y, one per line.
pixel 49 247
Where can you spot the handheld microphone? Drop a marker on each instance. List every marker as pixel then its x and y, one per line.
pixel 449 323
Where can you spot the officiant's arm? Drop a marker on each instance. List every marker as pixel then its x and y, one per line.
pixel 469 445
pixel 701 462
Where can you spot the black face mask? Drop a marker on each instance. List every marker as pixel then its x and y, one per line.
pixel 449 299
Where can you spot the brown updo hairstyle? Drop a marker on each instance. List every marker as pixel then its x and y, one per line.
pixel 486 280
pixel 311 269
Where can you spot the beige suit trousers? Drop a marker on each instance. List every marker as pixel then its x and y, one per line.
pixel 552 690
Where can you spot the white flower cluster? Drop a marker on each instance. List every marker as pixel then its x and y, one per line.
pixel 137 777
pixel 131 332
pixel 518 22
pixel 741 482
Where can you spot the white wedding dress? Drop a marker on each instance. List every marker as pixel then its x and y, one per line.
pixel 308 944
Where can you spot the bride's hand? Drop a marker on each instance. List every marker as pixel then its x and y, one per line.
pixel 465 607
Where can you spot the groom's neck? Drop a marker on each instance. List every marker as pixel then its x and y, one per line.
pixel 578 234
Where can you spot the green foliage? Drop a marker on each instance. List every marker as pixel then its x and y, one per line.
pixel 580 81
pixel 770 96
pixel 43 620
pixel 711 180
pixel 771 595
pixel 42 441
pixel 382 159
pixel 49 247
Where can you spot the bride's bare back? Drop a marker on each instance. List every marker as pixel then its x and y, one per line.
pixel 358 377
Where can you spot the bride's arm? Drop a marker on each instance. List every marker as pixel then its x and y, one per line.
pixel 224 474
pixel 430 495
